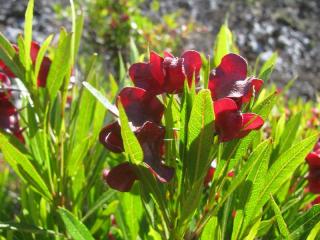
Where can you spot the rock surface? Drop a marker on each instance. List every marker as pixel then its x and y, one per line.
pixel 289 27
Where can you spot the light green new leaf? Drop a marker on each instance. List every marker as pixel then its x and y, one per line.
pixel 21 164
pixel 60 66
pixel 28 33
pixel 209 231
pixel 267 67
pixel 223 44
pixel 200 135
pixel 98 95
pixel 283 228
pixel 76 229
pixel 130 142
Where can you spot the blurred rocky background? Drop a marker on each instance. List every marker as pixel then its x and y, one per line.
pixel 290 27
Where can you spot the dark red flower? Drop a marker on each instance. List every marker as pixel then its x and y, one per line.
pixel 144 111
pixel 150 137
pixel 230 80
pixel 140 106
pixel 313 160
pixel 45 65
pixel 4 86
pixel 316 201
pixel 230 123
pixel 9 119
pixel 44 68
pixel 166 75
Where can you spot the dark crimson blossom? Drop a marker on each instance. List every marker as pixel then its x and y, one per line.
pixel 5 85
pixel 44 68
pixel 140 106
pixel 313 160
pixel 150 137
pixel 144 111
pixel 9 119
pixel 230 123
pixel 166 74
pixel 230 80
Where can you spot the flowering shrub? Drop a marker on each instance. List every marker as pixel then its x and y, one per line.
pixel 189 150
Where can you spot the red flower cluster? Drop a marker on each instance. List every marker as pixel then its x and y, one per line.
pixel 313 160
pixel 144 111
pixel 230 88
pixel 44 68
pixel 166 75
pixel 9 120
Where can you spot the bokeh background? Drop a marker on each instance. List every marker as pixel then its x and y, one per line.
pixel 290 27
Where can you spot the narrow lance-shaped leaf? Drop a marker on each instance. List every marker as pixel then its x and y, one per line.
pixel 130 142
pixel 76 229
pixel 200 136
pixel 223 44
pixel 281 223
pixel 59 67
pixel 28 33
pixel 283 168
pixel 21 164
pixel 261 153
pixel 302 226
pixel 98 95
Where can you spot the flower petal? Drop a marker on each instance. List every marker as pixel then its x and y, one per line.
pixel 174 74
pixel 141 106
pixel 110 137
pixel 4 83
pixel 43 72
pixel 313 159
pixel 228 119
pixel 256 85
pixel 250 121
pixel 192 63
pixel 151 139
pixel 148 76
pixel 121 177
pixel 230 78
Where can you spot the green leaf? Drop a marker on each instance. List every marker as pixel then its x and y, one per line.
pixel 260 154
pixel 134 53
pixel 200 136
pixel 130 142
pixel 304 224
pixel 103 199
pixel 131 211
pixel 10 57
pixel 76 229
pixel 209 231
pixel 223 44
pixel 281 223
pixel 60 66
pixel 98 95
pixel 264 106
pixel 283 168
pixel 267 67
pixel 290 132
pixel 21 164
pixel 28 33
pixel 41 54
